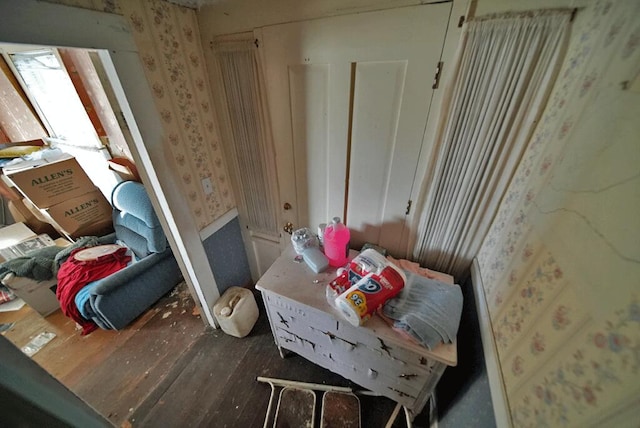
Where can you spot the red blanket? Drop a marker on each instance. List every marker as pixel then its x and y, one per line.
pixel 75 274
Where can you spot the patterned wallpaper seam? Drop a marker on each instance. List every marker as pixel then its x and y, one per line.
pixel 201 170
pixel 160 92
pixel 206 107
pixel 529 324
pixel 580 329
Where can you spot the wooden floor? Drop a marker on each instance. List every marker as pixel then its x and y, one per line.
pixel 167 370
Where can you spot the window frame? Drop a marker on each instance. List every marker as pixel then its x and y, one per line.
pixel 6 50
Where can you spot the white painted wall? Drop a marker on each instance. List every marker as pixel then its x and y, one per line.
pixel 233 16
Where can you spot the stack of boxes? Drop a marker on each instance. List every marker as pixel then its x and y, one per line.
pixel 40 295
pixel 59 193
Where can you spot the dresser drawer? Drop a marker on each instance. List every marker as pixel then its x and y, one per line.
pixel 367 335
pixel 284 313
pixel 317 336
pixel 322 328
pixel 370 363
pixel 351 368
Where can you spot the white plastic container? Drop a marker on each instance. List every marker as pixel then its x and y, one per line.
pixel 236 311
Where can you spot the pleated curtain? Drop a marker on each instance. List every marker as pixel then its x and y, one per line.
pixel 246 113
pixel 505 70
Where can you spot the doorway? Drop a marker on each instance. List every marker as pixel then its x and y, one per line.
pixel 42 23
pixel 47 24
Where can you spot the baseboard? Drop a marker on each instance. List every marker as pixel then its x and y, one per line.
pixel 496 384
pixel 218 224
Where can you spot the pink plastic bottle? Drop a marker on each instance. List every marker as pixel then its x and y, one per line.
pixel 336 243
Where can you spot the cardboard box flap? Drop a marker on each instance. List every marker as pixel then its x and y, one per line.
pixel 51 183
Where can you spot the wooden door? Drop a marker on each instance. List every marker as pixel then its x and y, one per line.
pixel 349 98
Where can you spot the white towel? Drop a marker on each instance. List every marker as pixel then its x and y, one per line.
pixel 427 309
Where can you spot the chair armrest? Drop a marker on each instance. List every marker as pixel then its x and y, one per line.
pixel 130 273
pixel 123 296
pixel 108 239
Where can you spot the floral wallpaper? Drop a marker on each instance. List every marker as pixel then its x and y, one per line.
pixel 172 55
pixel 561 264
pixel 168 40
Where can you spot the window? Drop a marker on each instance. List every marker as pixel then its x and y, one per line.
pixel 54 97
pixel 52 94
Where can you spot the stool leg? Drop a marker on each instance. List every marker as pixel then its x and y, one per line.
pixel 393 416
pixel 266 418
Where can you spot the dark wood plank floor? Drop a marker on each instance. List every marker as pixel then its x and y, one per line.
pixel 167 370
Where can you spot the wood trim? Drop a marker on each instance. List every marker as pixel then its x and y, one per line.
pixel 146 131
pixel 218 224
pixel 496 383
pixel 352 94
pixel 33 397
pixel 40 23
pixel 3 136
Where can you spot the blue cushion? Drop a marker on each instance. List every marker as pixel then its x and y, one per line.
pixel 135 221
pixel 136 235
pixel 131 197
pixel 82 299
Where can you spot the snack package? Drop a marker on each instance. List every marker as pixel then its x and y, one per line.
pixel 367 283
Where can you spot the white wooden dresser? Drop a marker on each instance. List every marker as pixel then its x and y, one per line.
pixel 373 356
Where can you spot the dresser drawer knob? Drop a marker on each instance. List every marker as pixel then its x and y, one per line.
pixel 372 374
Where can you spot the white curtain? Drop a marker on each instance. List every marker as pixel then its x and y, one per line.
pixel 248 129
pixel 505 70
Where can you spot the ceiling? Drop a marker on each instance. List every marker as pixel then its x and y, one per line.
pixel 194 4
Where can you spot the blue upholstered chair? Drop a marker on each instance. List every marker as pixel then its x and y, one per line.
pixel 120 298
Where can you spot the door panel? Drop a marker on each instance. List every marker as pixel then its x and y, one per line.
pixel 308 89
pixel 368 73
pixel 265 250
pixel 374 130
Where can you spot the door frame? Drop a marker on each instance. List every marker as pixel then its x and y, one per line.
pixel 33 397
pixel 262 248
pixel 41 23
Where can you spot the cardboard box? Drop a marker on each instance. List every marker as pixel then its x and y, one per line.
pixel 87 214
pixel 50 182
pixel 23 211
pixel 40 296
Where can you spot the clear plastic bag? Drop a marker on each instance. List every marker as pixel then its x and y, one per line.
pixel 304 238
